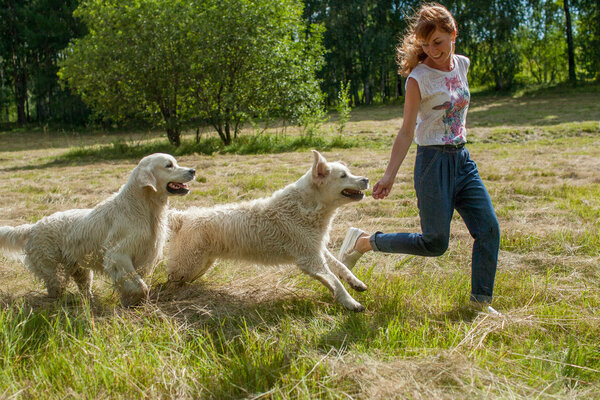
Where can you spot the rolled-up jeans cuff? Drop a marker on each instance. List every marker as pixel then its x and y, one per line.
pixel 481 298
pixel 372 240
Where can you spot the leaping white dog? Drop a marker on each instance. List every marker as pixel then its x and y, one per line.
pixel 122 236
pixel 291 226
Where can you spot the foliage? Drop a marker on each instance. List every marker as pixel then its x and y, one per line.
pixel 486 33
pixel 588 38
pixel 254 60
pixel 509 42
pixel 222 61
pixel 541 43
pixel 343 107
pixel 360 38
pixel 134 61
pixel 33 35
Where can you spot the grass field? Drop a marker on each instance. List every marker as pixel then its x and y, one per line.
pixel 248 331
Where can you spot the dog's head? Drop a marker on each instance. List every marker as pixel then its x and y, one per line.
pixel 335 183
pixel 160 174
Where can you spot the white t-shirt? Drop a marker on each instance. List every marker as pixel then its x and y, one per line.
pixel 444 102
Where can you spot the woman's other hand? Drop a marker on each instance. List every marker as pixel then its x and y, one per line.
pixel 383 187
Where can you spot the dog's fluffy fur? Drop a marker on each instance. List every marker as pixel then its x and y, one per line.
pixel 122 236
pixel 291 226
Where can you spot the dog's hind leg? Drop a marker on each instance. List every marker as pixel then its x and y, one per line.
pixel 46 267
pixel 344 273
pixel 186 265
pixel 317 268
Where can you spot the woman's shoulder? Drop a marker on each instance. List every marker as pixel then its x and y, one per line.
pixel 418 71
pixel 464 60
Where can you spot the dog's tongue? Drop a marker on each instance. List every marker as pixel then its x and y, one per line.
pixel 177 185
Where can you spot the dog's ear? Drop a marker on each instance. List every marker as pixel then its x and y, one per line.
pixel 320 169
pixel 147 179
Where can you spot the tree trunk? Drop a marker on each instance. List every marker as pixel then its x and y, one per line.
pixel 367 97
pixel 20 88
pixel 174 136
pixel 218 125
pixel 227 130
pixel 570 47
pixel 170 117
pixel 399 87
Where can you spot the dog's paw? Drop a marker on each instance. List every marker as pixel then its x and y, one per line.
pixel 134 292
pixel 177 280
pixel 353 305
pixel 359 286
pixel 132 299
pixel 55 292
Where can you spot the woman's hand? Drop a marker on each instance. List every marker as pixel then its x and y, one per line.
pixel 383 187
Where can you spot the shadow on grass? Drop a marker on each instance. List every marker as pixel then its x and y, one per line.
pixel 245 145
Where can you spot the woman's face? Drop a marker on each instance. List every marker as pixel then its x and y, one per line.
pixel 438 48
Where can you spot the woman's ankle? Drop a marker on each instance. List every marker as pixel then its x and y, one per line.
pixel 363 243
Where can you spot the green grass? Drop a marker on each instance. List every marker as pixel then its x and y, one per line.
pixel 256 332
pixel 286 349
pixel 265 143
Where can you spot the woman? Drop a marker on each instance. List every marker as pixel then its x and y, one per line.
pixel 445 177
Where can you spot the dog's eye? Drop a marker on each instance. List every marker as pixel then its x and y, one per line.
pixel 169 165
pixel 343 175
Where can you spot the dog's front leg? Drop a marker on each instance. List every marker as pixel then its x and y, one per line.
pixel 83 277
pixel 344 273
pixel 122 272
pixel 317 268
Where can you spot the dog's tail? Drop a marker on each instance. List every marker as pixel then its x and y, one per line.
pixel 176 219
pixel 13 239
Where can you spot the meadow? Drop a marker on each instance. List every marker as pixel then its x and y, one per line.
pixel 255 332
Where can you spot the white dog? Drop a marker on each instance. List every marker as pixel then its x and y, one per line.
pixel 122 236
pixel 291 226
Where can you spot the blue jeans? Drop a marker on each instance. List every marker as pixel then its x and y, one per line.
pixel 446 179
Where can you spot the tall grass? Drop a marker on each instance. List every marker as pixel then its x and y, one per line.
pixel 301 349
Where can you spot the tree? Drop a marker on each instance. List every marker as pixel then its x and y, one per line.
pixel 33 34
pixel 15 50
pixel 51 28
pixel 360 38
pixel 175 60
pixel 588 37
pixel 487 34
pixel 570 46
pixel 545 27
pixel 134 62
pixel 254 59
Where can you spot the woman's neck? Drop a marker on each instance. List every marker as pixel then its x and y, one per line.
pixel 447 66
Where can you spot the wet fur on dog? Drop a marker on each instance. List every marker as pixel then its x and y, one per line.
pixel 290 227
pixel 122 236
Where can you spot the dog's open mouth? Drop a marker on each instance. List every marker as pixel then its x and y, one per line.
pixel 178 188
pixel 353 194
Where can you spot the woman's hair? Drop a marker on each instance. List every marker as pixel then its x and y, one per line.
pixel 431 16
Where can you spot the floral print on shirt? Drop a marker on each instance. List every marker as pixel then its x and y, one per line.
pixel 454 111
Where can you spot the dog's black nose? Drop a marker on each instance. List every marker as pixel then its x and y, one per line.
pixel 365 180
pixel 192 171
